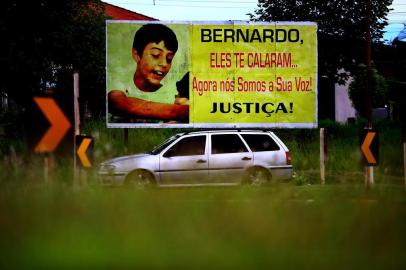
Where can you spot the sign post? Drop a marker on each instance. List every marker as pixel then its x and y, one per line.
pixel 369 170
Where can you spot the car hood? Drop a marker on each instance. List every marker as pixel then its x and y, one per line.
pixel 124 159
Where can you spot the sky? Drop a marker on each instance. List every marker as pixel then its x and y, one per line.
pixel 223 10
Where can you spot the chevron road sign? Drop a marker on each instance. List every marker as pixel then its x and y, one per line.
pixel 370 147
pixel 59 125
pixel 85 145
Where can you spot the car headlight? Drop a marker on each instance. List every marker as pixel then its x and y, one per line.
pixel 108 168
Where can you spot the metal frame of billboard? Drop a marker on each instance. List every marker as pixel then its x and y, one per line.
pixel 298 124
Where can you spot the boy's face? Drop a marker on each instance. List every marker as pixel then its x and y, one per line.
pixel 152 66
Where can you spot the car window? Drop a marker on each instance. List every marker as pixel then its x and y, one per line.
pixel 260 142
pixel 163 145
pixel 188 146
pixel 227 143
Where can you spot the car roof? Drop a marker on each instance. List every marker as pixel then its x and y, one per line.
pixel 225 131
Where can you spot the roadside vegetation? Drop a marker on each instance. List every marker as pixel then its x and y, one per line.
pixel 343 165
pixel 298 224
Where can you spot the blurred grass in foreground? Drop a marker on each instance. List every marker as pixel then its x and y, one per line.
pixel 281 226
pixel 291 225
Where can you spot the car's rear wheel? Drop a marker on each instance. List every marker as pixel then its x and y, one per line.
pixel 140 179
pixel 257 177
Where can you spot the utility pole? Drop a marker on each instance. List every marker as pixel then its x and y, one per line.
pixel 369 170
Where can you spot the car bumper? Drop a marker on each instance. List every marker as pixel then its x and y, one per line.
pixel 282 172
pixel 111 178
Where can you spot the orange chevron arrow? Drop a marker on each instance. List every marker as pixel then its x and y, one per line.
pixel 82 152
pixel 58 121
pixel 365 148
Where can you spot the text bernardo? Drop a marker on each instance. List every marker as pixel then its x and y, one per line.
pixel 250 35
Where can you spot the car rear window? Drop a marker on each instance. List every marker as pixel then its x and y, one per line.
pixel 260 142
pixel 227 143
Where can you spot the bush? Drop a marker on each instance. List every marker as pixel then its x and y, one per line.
pixel 358 90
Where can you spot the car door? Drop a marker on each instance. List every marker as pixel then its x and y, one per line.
pixel 185 162
pixel 229 157
pixel 266 151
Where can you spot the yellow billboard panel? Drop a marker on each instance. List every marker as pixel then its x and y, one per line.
pixel 230 74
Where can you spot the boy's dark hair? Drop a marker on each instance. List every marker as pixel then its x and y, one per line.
pixel 154 33
pixel 183 86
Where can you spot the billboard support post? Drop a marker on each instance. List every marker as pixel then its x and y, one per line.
pixel 126 137
pixel 404 152
pixel 76 174
pixel 322 156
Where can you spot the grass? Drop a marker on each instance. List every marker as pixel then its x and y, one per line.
pixel 292 225
pixel 280 226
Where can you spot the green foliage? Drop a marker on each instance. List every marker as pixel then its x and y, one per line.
pixel 341 27
pixel 343 154
pixel 291 225
pixel 301 180
pixel 358 90
pixel 44 41
pixel 276 227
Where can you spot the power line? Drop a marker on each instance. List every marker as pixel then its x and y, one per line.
pixel 202 1
pixel 220 1
pixel 213 1
pixel 156 3
pixel 186 6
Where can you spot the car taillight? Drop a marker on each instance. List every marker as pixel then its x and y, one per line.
pixel 288 158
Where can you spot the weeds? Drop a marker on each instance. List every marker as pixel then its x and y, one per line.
pixel 293 225
pixel 343 155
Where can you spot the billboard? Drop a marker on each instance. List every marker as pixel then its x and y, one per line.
pixel 211 74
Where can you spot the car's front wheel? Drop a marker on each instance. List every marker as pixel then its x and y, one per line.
pixel 257 176
pixel 140 179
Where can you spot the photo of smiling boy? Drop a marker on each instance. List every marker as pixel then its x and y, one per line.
pixel 154 48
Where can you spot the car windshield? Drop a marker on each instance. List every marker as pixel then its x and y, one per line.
pixel 163 145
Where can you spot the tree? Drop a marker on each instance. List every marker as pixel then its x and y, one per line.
pixel 44 41
pixel 358 89
pixel 342 26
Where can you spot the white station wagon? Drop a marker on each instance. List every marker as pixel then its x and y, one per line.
pixel 218 157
